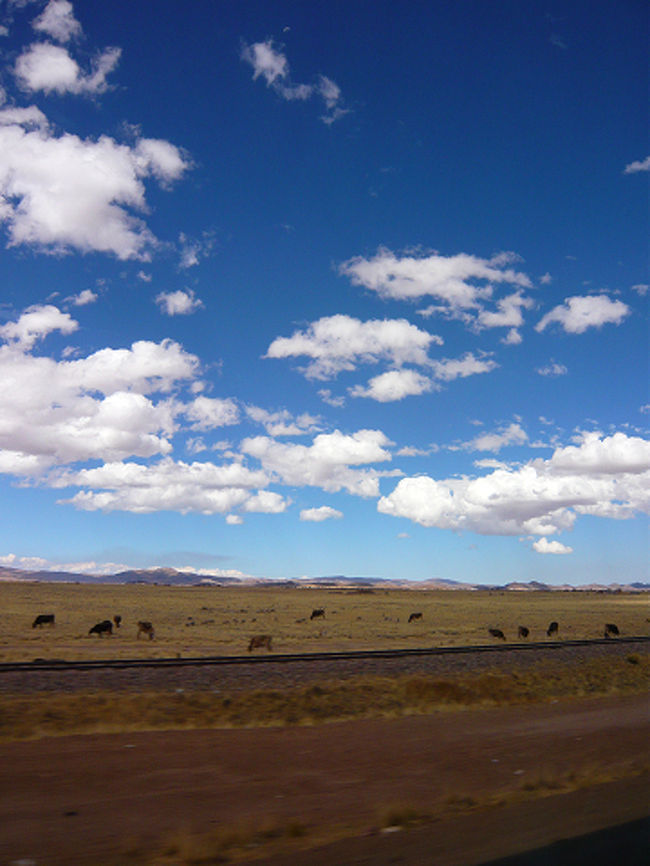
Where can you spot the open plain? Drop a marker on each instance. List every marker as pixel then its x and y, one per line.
pixel 221 620
pixel 452 759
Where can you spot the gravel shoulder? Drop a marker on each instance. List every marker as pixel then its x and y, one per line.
pixel 278 675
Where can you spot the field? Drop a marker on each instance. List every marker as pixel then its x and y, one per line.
pixel 229 764
pixel 194 621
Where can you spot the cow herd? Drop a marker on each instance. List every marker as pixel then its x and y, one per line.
pixel 611 630
pixel 264 641
pixel 105 627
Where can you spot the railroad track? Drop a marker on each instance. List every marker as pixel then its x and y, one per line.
pixel 288 658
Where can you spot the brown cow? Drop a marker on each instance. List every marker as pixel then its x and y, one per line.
pixel 316 612
pixel 260 640
pixel 552 629
pixel 413 616
pixel 145 627
pixel 522 631
pixel 496 632
pixel 117 619
pixel 611 629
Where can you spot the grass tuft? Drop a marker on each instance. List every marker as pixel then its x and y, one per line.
pixel 185 848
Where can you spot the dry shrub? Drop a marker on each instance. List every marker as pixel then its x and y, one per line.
pixel 185 848
pixel 402 815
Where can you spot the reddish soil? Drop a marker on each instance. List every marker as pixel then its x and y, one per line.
pixel 80 800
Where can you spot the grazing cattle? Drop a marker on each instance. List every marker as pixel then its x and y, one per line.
pixel 44 619
pixel 103 627
pixel 522 631
pixel 611 629
pixel 316 612
pixel 260 640
pixel 145 627
pixel 415 616
pixel 496 632
pixel 117 619
pixel 552 629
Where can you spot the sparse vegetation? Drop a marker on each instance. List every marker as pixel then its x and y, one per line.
pixel 184 848
pixel 39 715
pixel 221 620
pixel 245 843
pixel 202 621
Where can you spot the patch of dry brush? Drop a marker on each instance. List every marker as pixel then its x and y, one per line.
pixel 41 715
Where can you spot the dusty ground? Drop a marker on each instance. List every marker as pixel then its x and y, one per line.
pixel 80 800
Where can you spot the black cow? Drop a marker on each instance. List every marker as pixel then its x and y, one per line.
pixel 316 612
pixel 413 616
pixel 145 627
pixel 44 619
pixel 611 629
pixel 552 629
pixel 496 632
pixel 260 640
pixel 103 627
pixel 522 631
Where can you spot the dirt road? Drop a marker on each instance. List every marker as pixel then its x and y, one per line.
pixel 73 801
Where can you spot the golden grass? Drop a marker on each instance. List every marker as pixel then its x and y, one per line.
pixel 220 621
pixel 46 714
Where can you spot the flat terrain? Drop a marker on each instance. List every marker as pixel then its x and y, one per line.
pixel 452 759
pixel 468 785
pixel 194 621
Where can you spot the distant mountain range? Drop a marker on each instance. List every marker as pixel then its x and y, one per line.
pixel 172 577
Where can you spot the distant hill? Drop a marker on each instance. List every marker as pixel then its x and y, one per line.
pixel 170 577
pixel 173 577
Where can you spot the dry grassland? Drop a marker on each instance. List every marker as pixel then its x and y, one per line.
pixel 220 621
pixel 195 621
pixel 43 715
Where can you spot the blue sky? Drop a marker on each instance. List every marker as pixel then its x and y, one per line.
pixel 325 288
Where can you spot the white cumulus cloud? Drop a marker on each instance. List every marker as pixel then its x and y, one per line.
pixel 393 385
pixel 172 486
pixel 35 324
pixel 552 369
pixel 459 282
pixel 208 413
pixel 328 463
pixel 459 368
pixel 50 68
pixel 179 303
pixel 86 296
pixel 602 476
pixel 543 545
pixel 62 192
pixel 508 313
pixel 57 20
pixel 513 434
pixel 318 515
pixel 638 165
pixel 340 342
pixel 283 423
pixel 578 313
pixel 101 407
